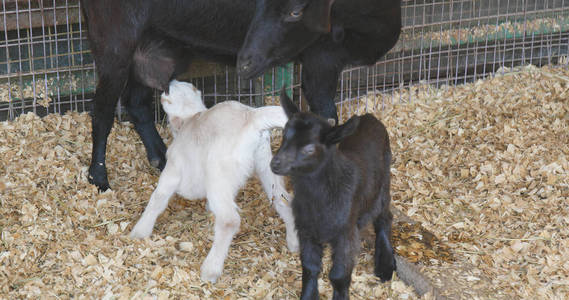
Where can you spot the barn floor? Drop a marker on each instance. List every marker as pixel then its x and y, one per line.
pixel 482 166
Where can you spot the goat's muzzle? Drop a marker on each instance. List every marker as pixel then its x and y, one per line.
pixel 248 67
pixel 278 167
pixel 244 67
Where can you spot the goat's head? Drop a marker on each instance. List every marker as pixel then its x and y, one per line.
pixel 308 140
pixel 280 30
pixel 183 101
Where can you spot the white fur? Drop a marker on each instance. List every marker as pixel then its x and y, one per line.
pixel 213 153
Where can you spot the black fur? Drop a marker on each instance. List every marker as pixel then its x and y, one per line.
pixel 341 178
pixel 142 44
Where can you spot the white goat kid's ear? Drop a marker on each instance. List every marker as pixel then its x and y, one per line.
pixel 176 123
pixel 165 99
pixel 332 122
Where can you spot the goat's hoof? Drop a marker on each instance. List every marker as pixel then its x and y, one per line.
pixel 155 163
pixel 385 272
pixel 157 159
pixel 102 187
pixel 210 271
pixel 140 232
pixel 98 177
pixel 210 275
pixel 384 275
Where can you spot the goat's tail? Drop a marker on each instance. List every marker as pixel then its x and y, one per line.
pixel 267 117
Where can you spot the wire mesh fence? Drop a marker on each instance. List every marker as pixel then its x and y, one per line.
pixel 46 67
pixel 450 42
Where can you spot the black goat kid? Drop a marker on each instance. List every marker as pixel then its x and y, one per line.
pixel 340 176
pixel 142 44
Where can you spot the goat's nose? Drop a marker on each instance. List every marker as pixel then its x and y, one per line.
pixel 244 64
pixel 275 163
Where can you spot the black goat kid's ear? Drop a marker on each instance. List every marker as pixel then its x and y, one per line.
pixel 338 133
pixel 288 106
pixel 317 15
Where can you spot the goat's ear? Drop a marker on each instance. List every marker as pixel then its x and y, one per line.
pixel 317 15
pixel 288 106
pixel 176 124
pixel 338 133
pixel 166 88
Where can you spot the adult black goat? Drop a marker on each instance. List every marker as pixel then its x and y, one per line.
pixel 340 176
pixel 142 44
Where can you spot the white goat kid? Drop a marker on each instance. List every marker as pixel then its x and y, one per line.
pixel 213 153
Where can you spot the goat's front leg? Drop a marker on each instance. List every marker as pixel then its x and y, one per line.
pixel 383 257
pixel 344 249
pixel 321 67
pixel 227 220
pixel 282 203
pixel 274 187
pixel 311 260
pixel 106 98
pixel 167 185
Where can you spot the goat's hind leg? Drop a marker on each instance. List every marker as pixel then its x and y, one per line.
pixel 139 106
pixel 383 258
pixel 274 187
pixel 156 61
pixel 227 221
pixel 167 185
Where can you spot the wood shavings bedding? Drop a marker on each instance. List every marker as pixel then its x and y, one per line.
pixel 60 238
pixel 483 166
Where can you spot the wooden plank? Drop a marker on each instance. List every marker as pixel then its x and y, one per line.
pixel 201 68
pixel 21 20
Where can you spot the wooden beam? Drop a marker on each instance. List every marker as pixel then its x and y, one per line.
pixel 21 20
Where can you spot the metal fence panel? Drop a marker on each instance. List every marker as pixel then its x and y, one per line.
pixel 46 67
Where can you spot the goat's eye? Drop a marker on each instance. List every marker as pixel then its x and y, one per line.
pixel 296 13
pixel 308 150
